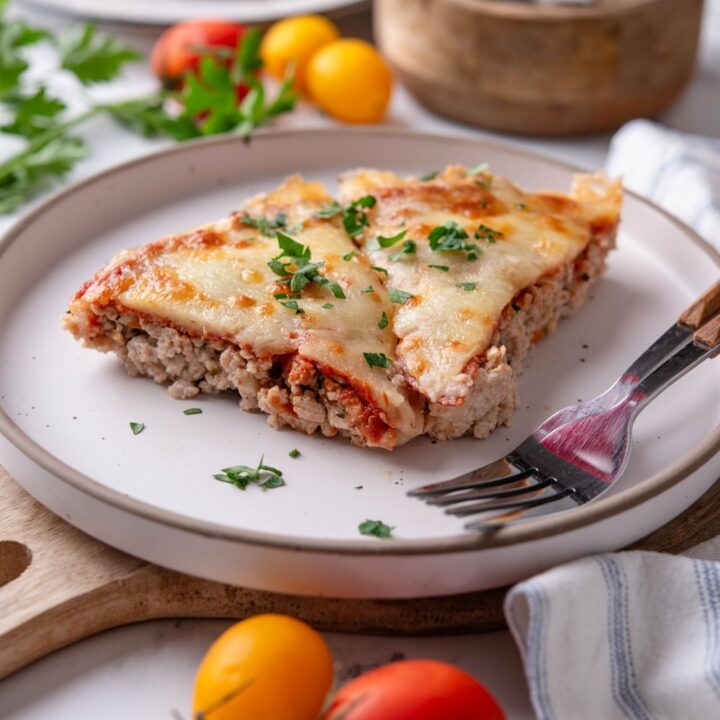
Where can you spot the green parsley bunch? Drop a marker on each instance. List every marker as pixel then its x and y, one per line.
pixel 206 105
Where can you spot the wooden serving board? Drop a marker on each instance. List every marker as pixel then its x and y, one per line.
pixel 58 585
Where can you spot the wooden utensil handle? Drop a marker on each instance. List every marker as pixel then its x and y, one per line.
pixel 709 334
pixel 702 309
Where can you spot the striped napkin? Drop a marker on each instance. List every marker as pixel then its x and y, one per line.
pixel 633 635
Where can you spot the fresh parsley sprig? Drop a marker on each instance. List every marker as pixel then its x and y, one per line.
pixel 206 105
pixel 354 214
pixel 450 237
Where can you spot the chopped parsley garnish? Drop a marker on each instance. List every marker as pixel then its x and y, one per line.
pixel 192 411
pixel 330 210
pixel 469 286
pixel 487 233
pixel 355 218
pixel 386 242
pixel 399 297
pixel 266 226
pixel 137 428
pixel 477 169
pixel 383 321
pixel 444 268
pixel 425 177
pixel 522 206
pixel 328 306
pixel 377 360
pixel 408 248
pixel 450 237
pixel 379 269
pixel 376 528
pixel 348 256
pixel 294 266
pixel 294 453
pixel 368 289
pixel 266 476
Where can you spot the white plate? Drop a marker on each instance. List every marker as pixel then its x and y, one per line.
pixel 65 410
pixel 168 12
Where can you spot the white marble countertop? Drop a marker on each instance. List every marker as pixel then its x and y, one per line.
pixel 147 670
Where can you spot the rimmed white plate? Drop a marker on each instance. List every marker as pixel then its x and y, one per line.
pixel 64 411
pixel 168 12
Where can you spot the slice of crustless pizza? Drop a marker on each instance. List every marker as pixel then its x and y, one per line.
pixel 479 271
pixel 273 302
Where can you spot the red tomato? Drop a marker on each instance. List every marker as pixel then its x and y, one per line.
pixel 414 690
pixel 178 49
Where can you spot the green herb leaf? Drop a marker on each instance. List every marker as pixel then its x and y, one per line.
pixel 15 35
pixel 379 269
pixel 348 256
pixel 450 237
pixel 330 210
pixel 383 321
pixel 522 206
pixel 444 268
pixel 292 305
pixel 368 289
pixel 487 233
pixel 93 56
pixel 193 411
pixel 274 481
pixel 408 248
pixel 469 286
pixel 386 242
pixel 137 427
pixel 376 528
pixel 32 114
pixel 399 297
pixel 328 306
pixel 355 218
pixel 294 453
pixel 377 360
pixel 37 168
pixel 266 476
pixel 425 177
pixel 477 169
pixel 266 226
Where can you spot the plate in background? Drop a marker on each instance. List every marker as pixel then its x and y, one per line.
pixel 169 12
pixel 64 411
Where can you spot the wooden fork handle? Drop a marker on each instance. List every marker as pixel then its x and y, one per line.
pixel 703 309
pixel 709 334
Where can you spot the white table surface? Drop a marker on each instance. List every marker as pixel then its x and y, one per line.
pixel 147 670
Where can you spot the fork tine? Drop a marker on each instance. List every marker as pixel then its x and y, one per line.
pixel 481 507
pixel 455 498
pixel 500 472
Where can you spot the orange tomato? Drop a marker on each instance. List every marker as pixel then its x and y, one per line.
pixel 179 49
pixel 414 690
pixel 350 80
pixel 295 40
pixel 268 667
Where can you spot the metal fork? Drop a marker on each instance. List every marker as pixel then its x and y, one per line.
pixel 581 450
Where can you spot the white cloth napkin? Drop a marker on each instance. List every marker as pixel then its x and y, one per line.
pixel 628 635
pixel 633 635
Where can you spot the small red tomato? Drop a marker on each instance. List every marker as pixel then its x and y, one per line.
pixel 414 690
pixel 179 49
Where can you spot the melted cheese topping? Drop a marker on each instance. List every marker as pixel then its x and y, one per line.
pixel 445 325
pixel 215 282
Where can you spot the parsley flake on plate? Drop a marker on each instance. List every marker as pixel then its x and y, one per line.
pixel 376 528
pixel 400 297
pixel 192 411
pixel 377 360
pixel 265 476
pixel 137 427
pixel 294 453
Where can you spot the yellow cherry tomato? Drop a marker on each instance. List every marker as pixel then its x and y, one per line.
pixel 268 667
pixel 295 39
pixel 350 80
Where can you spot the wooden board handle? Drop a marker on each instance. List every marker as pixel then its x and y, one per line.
pixel 702 309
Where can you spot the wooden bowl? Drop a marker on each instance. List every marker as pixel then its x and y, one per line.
pixel 541 70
